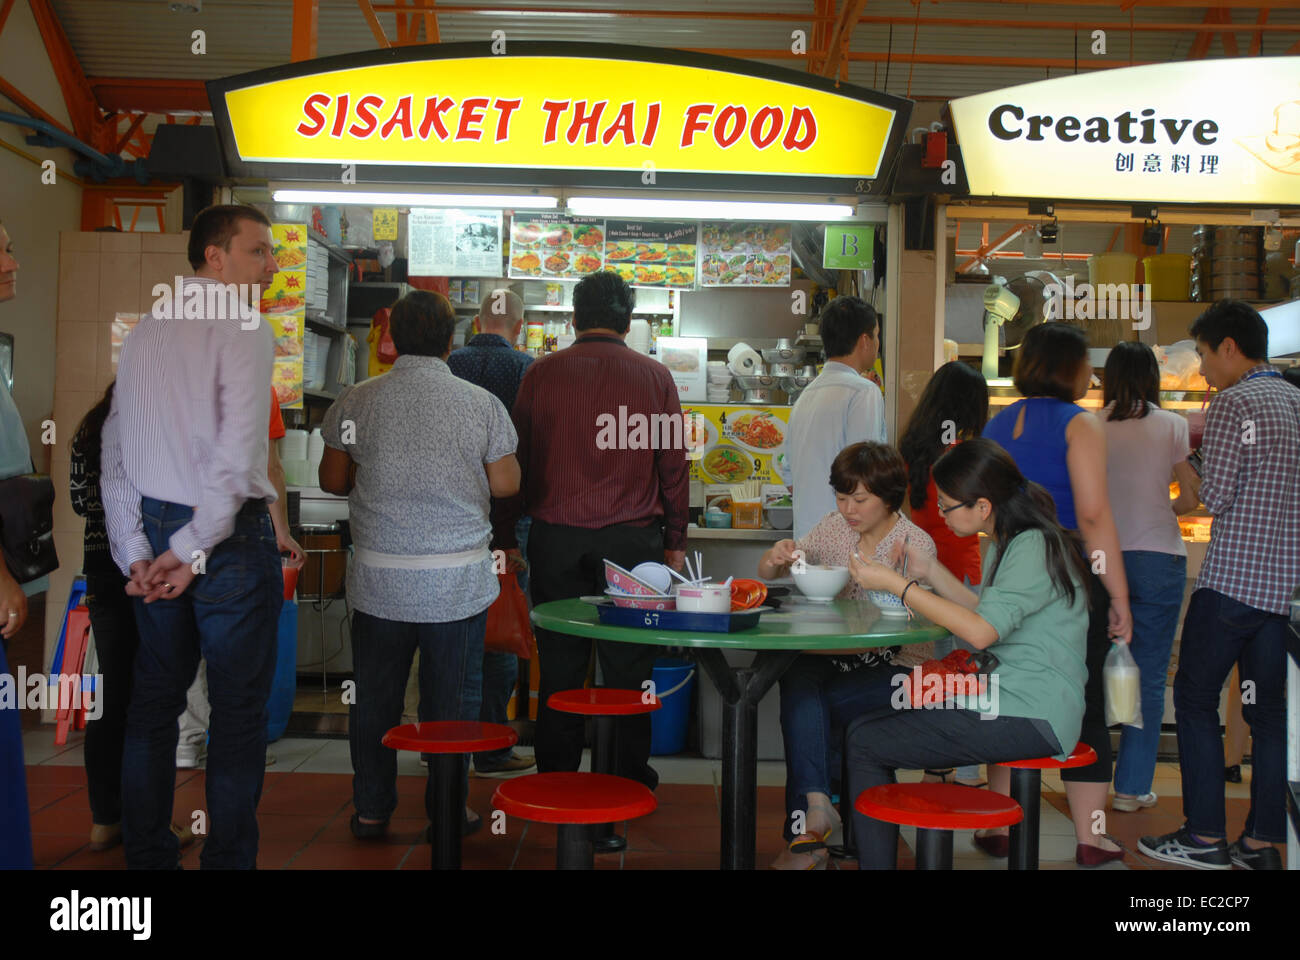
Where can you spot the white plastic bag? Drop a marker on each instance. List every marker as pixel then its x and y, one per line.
pixel 1123 683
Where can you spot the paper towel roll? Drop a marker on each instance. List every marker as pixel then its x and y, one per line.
pixel 743 360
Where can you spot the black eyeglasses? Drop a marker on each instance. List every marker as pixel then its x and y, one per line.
pixel 947 510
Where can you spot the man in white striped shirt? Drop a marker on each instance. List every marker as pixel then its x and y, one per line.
pixel 185 490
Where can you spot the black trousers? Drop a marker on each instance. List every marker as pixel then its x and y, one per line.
pixel 112 618
pixel 1094 732
pixel 566 562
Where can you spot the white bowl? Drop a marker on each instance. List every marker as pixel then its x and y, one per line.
pixel 655 574
pixel 706 598
pixel 821 583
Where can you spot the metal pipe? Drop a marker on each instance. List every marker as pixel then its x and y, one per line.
pixel 97 166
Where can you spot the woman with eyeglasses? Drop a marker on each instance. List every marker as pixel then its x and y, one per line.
pixel 1061 446
pixel 1032 615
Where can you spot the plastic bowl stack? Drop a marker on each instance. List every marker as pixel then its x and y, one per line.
pixel 718 388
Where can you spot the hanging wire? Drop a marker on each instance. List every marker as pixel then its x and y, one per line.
pixel 889 54
pixel 916 28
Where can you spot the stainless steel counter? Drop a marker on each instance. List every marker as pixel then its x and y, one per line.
pixel 765 534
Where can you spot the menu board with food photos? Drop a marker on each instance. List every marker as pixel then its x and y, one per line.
pixel 745 254
pixel 556 247
pixel 284 306
pixel 653 254
pixel 732 443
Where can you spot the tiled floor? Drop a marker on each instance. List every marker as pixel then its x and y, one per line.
pixel 307 803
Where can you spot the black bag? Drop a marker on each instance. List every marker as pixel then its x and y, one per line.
pixel 27 526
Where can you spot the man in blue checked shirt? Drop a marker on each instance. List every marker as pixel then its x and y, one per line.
pixel 1250 482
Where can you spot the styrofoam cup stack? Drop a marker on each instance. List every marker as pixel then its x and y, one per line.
pixel 638 336
pixel 293 446
pixel 315 450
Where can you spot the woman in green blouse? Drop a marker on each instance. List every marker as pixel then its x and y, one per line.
pixel 1032 616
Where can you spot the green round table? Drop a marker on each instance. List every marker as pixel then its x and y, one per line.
pixel 779 637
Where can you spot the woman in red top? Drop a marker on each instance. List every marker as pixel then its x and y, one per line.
pixel 953 407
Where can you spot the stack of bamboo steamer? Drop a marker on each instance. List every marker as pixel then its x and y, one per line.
pixel 1228 262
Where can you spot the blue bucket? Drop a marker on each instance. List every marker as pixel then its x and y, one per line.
pixel 674 682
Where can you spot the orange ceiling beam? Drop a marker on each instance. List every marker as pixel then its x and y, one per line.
pixel 638 13
pixel 30 106
pixel 150 95
pixel 1229 40
pixel 945 59
pixel 306 23
pixel 372 20
pixel 1201 45
pixel 842 35
pixel 87 122
pixel 1206 28
pixel 5 7
pixel 431 33
pixel 1257 37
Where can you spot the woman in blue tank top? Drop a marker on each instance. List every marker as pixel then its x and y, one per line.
pixel 1062 447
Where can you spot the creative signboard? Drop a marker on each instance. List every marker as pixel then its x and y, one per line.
pixel 557 113
pixel 1204 131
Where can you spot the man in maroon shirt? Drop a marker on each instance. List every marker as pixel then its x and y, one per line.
pixel 592 499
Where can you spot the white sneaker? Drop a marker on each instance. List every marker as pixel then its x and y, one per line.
pixel 188 757
pixel 1132 804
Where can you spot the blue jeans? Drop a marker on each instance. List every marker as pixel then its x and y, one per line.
pixel 1155 595
pixel 451 663
pixel 501 671
pixel 818 702
pixel 1218 632
pixel 228 617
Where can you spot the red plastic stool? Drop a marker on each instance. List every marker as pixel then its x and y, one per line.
pixel 448 740
pixel 1026 790
pixel 579 803
pixel 936 810
pixel 604 705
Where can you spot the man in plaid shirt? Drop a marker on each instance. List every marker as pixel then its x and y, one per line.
pixel 1237 614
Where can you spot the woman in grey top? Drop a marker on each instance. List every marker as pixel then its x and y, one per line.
pixel 419 453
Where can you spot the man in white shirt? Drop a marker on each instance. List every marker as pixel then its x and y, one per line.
pixel 185 490
pixel 840 407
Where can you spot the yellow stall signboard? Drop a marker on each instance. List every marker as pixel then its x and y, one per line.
pixel 738 442
pixel 556 108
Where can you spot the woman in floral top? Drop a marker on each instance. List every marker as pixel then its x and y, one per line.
pixel 822 694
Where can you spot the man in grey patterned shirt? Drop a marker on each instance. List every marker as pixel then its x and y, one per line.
pixel 419 453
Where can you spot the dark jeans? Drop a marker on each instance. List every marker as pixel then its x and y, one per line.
pixel 228 616
pixel 15 823
pixel 818 702
pixel 1094 732
pixel 1218 632
pixel 501 671
pixel 451 662
pixel 112 618
pixel 568 562
pixel 927 739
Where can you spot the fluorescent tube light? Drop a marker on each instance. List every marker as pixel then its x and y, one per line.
pixel 530 201
pixel 707 209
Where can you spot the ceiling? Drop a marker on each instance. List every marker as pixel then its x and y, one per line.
pixel 143 38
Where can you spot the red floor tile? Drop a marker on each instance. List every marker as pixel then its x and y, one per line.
pixel 49 773
pixel 42 795
pixel 352 855
pixel 51 849
pixel 683 815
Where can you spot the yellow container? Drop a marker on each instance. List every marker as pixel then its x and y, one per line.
pixel 747 514
pixel 1170 276
pixel 1112 268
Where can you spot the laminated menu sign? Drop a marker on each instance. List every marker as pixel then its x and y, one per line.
pixel 685 358
pixel 653 254
pixel 733 443
pixel 745 254
pixel 284 306
pixel 451 242
pixel 556 247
